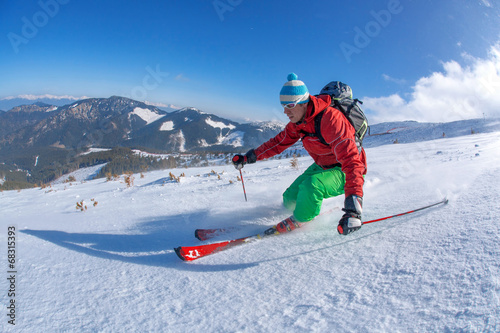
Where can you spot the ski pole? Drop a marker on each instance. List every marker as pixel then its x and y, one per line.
pixel 242 183
pixel 444 201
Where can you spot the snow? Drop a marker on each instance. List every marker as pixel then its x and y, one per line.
pixel 146 154
pixel 95 150
pixel 234 139
pixel 167 126
pixel 412 131
pixel 80 175
pixel 218 124
pixel 179 140
pixel 203 143
pixel 147 115
pixel 112 267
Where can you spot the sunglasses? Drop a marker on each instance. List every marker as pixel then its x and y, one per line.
pixel 290 105
pixel 293 104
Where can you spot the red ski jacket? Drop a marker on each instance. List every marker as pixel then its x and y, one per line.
pixel 337 132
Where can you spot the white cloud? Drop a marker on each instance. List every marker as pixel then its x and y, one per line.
pixel 486 3
pixel 391 79
pixel 162 105
pixel 456 93
pixel 36 97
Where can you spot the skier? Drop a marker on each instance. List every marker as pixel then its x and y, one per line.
pixel 339 167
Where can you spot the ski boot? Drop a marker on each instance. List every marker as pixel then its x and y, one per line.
pixel 284 226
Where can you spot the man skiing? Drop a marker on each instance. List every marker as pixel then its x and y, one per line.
pixel 339 166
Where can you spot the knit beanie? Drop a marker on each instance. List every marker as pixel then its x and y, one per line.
pixel 294 91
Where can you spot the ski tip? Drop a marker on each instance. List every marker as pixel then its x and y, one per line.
pixel 445 201
pixel 197 234
pixel 179 254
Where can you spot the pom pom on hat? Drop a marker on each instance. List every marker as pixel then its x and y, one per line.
pixel 292 76
pixel 294 91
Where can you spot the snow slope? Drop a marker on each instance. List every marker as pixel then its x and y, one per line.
pixel 412 131
pixel 146 114
pixel 112 268
pixel 81 175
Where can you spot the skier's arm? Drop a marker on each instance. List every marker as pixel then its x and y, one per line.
pixel 274 146
pixel 278 144
pixel 339 133
pixel 352 161
pixel 349 158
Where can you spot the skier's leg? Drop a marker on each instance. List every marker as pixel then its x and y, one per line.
pixel 313 189
pixel 290 195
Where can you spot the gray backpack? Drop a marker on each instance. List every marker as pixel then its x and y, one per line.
pixel 342 100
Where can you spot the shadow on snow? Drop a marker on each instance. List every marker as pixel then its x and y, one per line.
pixel 152 244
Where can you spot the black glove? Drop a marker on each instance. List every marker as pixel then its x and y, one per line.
pixel 351 221
pixel 239 160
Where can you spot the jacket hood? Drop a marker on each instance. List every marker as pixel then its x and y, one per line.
pixel 316 105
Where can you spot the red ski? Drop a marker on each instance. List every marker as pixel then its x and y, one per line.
pixel 190 253
pixel 204 234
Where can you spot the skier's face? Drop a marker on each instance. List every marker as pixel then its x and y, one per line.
pixel 296 113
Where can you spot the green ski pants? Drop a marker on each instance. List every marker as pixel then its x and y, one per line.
pixel 305 196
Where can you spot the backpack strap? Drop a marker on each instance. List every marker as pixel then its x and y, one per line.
pixel 317 128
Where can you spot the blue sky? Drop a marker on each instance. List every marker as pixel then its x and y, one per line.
pixel 231 57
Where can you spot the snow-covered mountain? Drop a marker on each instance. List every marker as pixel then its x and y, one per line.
pixel 190 129
pixel 119 121
pixel 88 122
pixel 23 116
pixel 412 131
pixel 112 267
pixel 39 142
pixel 10 102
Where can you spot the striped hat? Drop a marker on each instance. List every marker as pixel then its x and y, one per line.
pixel 294 91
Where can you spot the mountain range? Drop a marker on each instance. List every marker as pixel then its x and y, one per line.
pixel 120 121
pixel 40 142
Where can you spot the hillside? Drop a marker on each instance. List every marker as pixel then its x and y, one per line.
pixel 412 131
pixel 120 121
pixel 112 267
pixel 41 142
